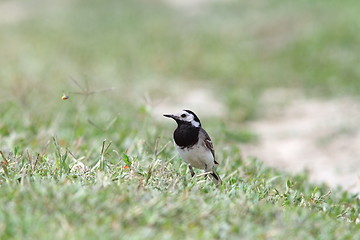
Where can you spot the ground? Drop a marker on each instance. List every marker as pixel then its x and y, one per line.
pixel 318 135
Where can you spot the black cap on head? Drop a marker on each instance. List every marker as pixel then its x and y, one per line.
pixel 192 113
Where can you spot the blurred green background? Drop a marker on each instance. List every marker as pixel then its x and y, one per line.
pixel 235 49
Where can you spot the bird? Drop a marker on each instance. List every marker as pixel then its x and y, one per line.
pixel 194 144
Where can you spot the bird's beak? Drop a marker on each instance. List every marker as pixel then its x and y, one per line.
pixel 170 116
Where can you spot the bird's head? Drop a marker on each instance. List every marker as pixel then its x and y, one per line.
pixel 186 116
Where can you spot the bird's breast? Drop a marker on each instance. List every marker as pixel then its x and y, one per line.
pixel 186 136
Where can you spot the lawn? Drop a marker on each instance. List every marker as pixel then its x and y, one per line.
pixel 101 165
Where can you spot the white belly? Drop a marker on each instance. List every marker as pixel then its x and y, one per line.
pixel 197 157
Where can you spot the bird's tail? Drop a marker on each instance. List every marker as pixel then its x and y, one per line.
pixel 215 178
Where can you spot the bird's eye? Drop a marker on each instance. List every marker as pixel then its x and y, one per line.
pixel 183 115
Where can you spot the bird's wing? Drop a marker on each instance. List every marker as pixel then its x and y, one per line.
pixel 208 143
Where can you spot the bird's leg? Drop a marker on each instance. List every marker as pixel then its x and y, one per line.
pixel 207 172
pixel 191 171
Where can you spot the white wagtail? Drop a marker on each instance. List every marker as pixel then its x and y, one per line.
pixel 194 144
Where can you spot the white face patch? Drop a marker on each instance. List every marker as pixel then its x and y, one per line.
pixel 187 117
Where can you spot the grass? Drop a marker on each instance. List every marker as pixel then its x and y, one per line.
pixel 101 165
